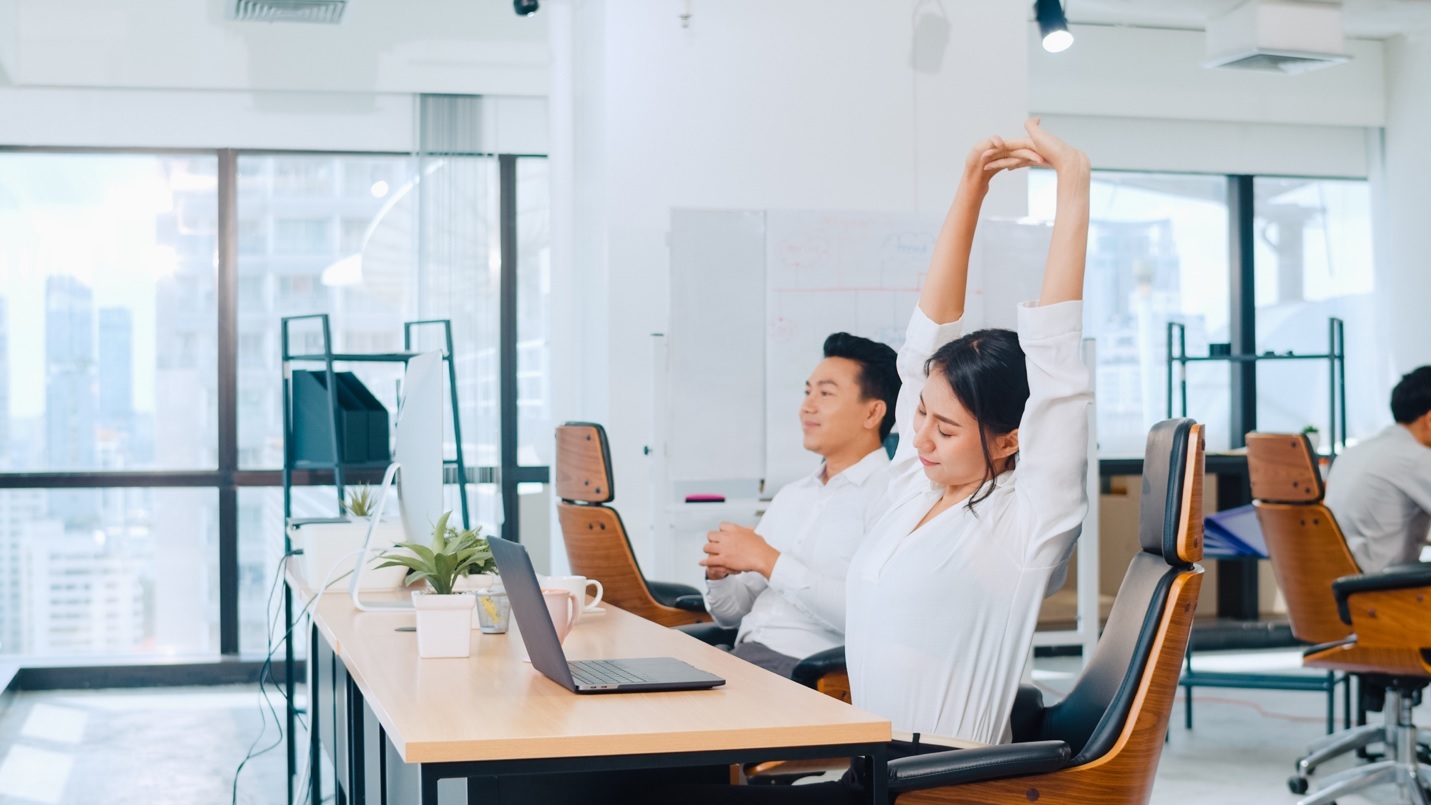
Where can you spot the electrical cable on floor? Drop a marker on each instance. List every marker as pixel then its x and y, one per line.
pixel 266 669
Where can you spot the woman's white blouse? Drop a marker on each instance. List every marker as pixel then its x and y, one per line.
pixel 940 618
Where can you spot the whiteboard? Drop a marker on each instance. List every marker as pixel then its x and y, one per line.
pixel 734 386
pixel 716 347
pixel 861 273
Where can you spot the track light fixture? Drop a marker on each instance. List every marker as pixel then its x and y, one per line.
pixel 525 7
pixel 1052 25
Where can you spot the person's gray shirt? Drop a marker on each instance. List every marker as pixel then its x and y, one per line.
pixel 1380 492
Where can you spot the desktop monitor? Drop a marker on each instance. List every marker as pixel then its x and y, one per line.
pixel 417 446
pixel 417 465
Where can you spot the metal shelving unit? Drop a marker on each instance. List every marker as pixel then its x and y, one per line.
pixel 1233 568
pixel 455 469
pixel 1335 358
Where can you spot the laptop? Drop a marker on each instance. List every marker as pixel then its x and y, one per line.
pixel 581 676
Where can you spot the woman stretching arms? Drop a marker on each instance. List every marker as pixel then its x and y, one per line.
pixel 988 487
pixel 987 492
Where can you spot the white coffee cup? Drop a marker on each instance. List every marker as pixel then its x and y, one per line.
pixel 576 585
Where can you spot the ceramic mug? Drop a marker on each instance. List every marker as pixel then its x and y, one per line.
pixel 563 608
pixel 577 585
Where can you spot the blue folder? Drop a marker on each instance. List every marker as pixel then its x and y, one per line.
pixel 1233 533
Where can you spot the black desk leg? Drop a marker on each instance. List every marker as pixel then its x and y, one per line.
pixel 877 771
pixel 429 785
pixel 315 712
pixel 357 750
pixel 289 683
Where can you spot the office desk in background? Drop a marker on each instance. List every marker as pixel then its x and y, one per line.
pixel 393 725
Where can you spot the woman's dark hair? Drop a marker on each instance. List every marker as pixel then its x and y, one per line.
pixel 1411 398
pixel 986 371
pixel 879 376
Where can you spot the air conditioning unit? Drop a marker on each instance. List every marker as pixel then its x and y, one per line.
pixel 328 12
pixel 1277 36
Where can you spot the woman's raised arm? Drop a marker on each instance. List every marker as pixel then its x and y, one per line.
pixel 942 297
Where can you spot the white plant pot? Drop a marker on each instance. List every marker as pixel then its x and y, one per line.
pixel 328 554
pixel 444 624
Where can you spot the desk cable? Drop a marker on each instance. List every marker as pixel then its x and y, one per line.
pixel 266 669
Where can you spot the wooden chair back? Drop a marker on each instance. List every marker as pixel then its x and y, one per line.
pixel 1304 543
pixel 583 463
pixel 597 547
pixel 1123 772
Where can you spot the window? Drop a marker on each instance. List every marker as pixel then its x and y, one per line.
pixel 1158 251
pixel 110 350
pixel 1314 262
pixel 105 328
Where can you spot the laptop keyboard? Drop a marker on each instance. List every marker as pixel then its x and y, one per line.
pixel 603 672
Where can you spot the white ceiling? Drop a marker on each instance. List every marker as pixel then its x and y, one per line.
pixel 1361 19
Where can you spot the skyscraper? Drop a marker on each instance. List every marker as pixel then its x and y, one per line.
pixel 5 461
pixel 70 392
pixel 116 368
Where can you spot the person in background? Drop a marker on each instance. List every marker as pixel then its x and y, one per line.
pixel 1380 489
pixel 783 582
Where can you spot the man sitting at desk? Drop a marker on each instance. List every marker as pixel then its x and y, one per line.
pixel 1380 490
pixel 783 582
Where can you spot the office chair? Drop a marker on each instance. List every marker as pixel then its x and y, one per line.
pixel 1100 743
pixel 596 542
pixel 1354 618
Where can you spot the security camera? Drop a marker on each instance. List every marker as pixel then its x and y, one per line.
pixel 525 7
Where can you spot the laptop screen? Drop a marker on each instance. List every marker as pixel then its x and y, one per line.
pixel 525 595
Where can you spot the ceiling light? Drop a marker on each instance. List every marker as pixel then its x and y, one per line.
pixel 1052 25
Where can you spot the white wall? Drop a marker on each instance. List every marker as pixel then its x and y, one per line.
pixel 1403 277
pixel 1157 74
pixel 806 104
pixel 178 74
pixel 381 46
pixel 1139 99
pixel 326 121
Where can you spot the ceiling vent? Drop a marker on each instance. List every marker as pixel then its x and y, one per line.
pixel 1276 36
pixel 328 12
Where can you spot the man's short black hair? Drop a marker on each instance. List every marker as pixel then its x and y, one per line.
pixel 1411 398
pixel 878 378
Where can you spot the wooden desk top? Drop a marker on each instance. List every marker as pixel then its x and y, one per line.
pixel 494 706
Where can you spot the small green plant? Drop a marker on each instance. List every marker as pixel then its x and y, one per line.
pixel 454 552
pixel 1310 429
pixel 360 501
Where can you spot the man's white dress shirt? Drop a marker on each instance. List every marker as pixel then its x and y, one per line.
pixel 1380 492
pixel 816 526
pixel 941 617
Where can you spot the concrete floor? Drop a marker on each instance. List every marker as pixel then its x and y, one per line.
pixel 182 745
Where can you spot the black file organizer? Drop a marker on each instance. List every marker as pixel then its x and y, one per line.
pixel 362 421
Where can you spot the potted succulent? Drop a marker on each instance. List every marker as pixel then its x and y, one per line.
pixel 444 616
pixel 1314 436
pixel 360 502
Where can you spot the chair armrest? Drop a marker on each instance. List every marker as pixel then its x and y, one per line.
pixel 973 765
pixel 710 633
pixel 809 670
pixel 1027 714
pixel 691 603
pixel 1396 577
pixel 669 593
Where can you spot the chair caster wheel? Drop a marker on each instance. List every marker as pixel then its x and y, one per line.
pixel 1297 784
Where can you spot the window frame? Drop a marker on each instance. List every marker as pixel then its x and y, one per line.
pixel 229 665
